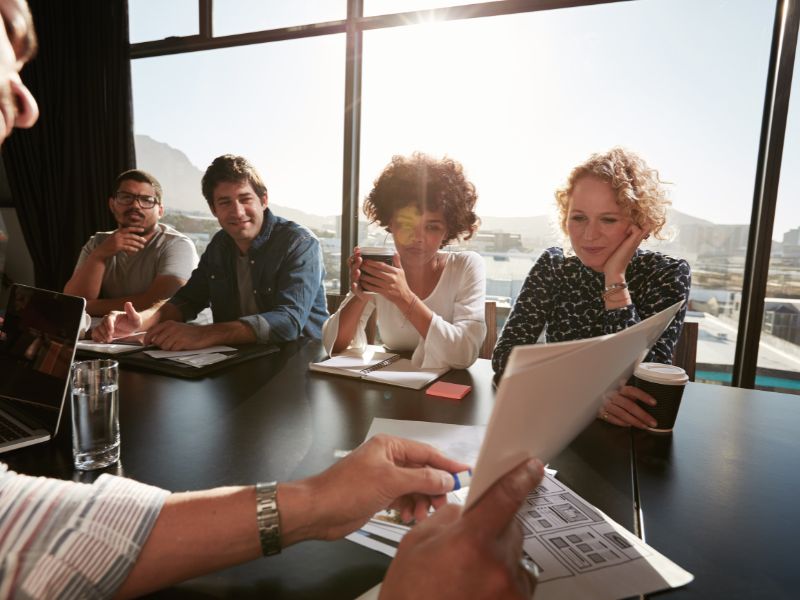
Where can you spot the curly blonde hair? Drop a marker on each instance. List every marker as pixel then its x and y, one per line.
pixel 638 188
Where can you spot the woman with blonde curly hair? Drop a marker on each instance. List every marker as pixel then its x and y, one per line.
pixel 609 205
pixel 427 301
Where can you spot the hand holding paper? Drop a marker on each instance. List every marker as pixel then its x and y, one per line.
pixel 476 551
pixel 550 392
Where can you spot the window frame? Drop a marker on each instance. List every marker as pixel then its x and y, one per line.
pixel 770 153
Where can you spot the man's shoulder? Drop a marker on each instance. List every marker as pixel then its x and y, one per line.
pixel 98 238
pixel 291 229
pixel 288 236
pixel 168 235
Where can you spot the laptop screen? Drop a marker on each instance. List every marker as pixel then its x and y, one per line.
pixel 37 345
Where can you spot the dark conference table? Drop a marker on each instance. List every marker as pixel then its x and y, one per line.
pixel 271 418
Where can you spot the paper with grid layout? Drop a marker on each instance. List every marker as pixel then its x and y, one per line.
pixel 580 551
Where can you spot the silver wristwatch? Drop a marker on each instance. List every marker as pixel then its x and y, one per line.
pixel 269 526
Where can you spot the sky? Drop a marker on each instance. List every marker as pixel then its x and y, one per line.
pixel 518 99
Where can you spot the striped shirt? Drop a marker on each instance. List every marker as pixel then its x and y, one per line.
pixel 61 539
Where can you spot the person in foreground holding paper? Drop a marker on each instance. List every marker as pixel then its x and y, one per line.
pixel 262 275
pixel 609 205
pixel 150 538
pixel 428 301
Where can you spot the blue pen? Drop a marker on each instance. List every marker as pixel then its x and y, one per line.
pixel 462 479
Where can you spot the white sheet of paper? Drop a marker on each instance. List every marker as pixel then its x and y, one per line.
pixel 103 348
pixel 459 442
pixel 542 406
pixel 201 360
pixel 404 374
pixel 174 353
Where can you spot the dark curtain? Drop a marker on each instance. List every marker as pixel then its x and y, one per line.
pixel 60 171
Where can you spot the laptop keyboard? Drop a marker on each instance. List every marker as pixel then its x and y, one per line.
pixel 10 431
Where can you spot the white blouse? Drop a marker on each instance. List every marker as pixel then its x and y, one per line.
pixel 458 326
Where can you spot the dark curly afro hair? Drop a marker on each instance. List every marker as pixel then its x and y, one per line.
pixel 427 183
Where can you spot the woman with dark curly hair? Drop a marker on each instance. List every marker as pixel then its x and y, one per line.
pixel 610 204
pixel 428 301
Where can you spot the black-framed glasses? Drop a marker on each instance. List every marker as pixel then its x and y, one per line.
pixel 126 199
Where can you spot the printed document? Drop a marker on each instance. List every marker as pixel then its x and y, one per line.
pixel 580 551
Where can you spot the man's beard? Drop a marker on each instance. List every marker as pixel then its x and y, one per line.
pixel 128 222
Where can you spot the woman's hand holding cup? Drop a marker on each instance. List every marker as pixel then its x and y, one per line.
pixel 354 262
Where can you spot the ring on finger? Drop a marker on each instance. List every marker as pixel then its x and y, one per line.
pixel 530 569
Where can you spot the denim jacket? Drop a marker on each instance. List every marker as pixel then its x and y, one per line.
pixel 287 273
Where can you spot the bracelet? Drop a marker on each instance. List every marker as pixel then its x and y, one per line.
pixel 269 525
pixel 612 289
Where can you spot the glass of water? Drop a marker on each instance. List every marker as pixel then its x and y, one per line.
pixel 95 414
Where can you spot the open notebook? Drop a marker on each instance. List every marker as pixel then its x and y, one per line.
pixel 376 365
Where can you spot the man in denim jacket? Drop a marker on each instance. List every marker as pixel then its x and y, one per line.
pixel 261 275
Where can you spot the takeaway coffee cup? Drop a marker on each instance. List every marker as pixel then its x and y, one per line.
pixel 665 383
pixel 377 253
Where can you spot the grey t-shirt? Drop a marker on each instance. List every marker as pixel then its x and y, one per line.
pixel 168 252
pixel 247 299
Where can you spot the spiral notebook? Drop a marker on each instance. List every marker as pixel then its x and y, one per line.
pixel 376 365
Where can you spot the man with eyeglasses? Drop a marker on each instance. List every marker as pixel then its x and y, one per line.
pixel 262 275
pixel 142 261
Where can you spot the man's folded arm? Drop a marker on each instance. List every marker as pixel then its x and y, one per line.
pixel 162 288
pixel 87 279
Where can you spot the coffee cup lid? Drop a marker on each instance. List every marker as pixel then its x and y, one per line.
pixel 379 250
pixel 661 373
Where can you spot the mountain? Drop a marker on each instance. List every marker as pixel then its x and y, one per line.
pixel 181 182
pixel 179 178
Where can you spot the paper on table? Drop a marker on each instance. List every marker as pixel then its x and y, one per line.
pixel 103 348
pixel 174 353
pixel 542 405
pixel 403 373
pixel 367 365
pixel 201 360
pixel 352 360
pixel 459 442
pixel 580 551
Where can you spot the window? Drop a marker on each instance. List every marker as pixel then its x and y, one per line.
pixel 243 16
pixel 521 99
pixel 156 20
pixel 277 104
pixel 383 7
pixel 779 351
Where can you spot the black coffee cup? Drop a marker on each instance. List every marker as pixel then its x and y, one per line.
pixel 378 254
pixel 665 383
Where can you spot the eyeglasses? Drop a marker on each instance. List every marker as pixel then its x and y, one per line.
pixel 126 199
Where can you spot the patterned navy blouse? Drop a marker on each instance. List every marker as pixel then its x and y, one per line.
pixel 564 298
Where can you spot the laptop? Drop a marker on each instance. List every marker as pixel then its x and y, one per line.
pixel 37 347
